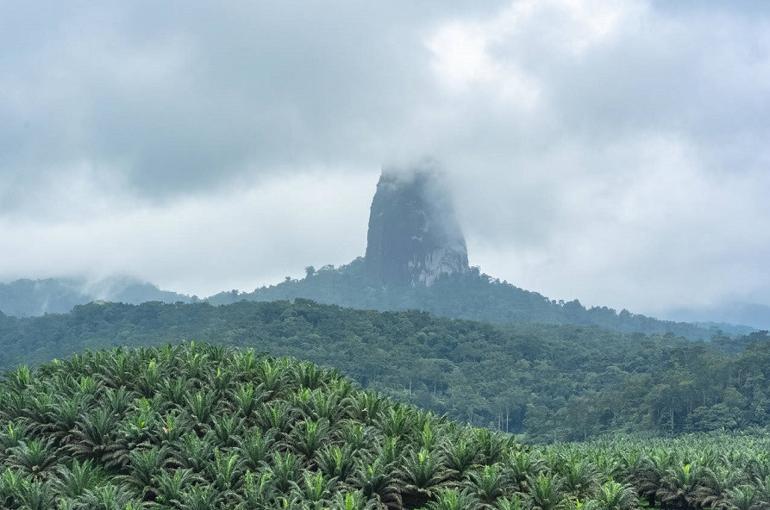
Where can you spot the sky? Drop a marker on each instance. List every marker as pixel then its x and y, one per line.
pixel 613 151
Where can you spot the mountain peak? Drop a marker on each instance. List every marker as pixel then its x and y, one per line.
pixel 413 235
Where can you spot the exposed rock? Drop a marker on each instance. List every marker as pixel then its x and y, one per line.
pixel 413 236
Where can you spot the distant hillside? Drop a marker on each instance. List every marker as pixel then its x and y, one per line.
pixel 550 382
pixel 468 295
pixel 25 298
pixel 751 314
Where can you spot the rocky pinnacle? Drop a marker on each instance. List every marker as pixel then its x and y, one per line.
pixel 413 236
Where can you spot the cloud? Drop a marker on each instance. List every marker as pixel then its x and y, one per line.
pixel 612 151
pixel 628 167
pixel 237 238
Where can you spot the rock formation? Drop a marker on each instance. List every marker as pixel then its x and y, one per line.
pixel 413 236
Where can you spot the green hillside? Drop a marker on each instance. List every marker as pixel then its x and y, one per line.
pixel 206 427
pixel 469 295
pixel 549 383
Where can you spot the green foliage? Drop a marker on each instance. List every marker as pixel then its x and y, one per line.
pixel 549 383
pixel 330 447
pixel 469 295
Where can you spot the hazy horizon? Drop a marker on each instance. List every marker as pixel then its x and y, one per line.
pixel 614 152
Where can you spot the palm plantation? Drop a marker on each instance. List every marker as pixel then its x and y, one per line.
pixel 208 427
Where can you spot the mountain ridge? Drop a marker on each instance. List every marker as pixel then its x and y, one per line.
pixel 470 296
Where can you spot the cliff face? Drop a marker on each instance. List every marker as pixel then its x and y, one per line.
pixel 413 236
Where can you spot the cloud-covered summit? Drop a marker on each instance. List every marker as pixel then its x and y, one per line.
pixel 413 236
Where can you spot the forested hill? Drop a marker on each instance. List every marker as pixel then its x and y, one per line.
pixel 468 295
pixel 550 382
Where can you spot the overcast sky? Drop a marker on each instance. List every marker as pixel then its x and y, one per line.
pixel 612 151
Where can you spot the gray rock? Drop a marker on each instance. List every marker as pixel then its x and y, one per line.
pixel 413 236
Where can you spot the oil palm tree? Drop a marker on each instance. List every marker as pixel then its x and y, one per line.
pixel 614 496
pixel 545 491
pixel 453 499
pixel 376 481
pixel 422 472
pixel 76 478
pixel 487 484
pixel 744 497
